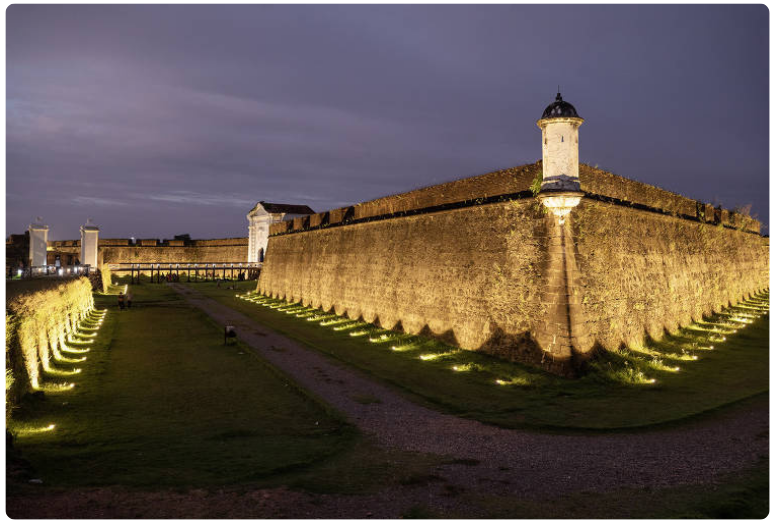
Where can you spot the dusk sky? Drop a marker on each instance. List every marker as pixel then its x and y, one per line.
pixel 164 120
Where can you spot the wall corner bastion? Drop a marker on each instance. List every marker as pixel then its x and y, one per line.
pixel 531 289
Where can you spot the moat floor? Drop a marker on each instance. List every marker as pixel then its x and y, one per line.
pixel 511 471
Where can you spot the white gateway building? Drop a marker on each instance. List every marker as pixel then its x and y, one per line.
pixel 261 217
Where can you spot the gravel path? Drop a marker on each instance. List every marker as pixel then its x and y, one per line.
pixel 514 462
pixel 484 460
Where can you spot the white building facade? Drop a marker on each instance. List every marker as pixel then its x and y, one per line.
pixel 261 217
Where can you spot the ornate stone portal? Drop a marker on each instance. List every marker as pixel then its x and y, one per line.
pixel 261 217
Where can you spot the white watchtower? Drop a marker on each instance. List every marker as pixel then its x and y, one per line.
pixel 560 188
pixel 38 243
pixel 89 243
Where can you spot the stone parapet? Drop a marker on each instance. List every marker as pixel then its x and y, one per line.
pixel 517 180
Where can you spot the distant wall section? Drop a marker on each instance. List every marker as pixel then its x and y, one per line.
pixel 123 250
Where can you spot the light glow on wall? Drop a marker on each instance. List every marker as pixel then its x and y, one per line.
pixel 435 356
pixel 560 204
pixel 60 372
pixel 29 431
pixel 74 341
pixel 55 387
pixel 519 381
pixel 638 357
pixel 348 327
pixel 336 321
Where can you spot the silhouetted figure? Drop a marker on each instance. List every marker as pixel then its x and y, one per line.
pixel 229 332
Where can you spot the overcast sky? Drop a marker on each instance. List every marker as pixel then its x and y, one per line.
pixel 164 120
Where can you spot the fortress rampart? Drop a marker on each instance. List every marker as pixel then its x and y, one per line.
pixel 516 182
pixel 480 264
pixel 123 250
pixel 641 272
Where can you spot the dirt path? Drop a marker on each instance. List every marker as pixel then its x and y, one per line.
pixel 515 464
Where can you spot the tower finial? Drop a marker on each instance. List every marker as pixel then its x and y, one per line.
pixel 559 96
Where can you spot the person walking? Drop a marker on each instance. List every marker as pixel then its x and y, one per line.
pixel 128 300
pixel 121 300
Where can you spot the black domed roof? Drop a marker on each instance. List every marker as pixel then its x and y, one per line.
pixel 560 109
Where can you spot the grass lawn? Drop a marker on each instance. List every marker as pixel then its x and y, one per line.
pixel 742 495
pixel 660 382
pixel 161 402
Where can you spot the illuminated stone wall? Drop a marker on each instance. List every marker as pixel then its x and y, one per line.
pixel 230 250
pixel 641 272
pixel 469 276
pixel 507 279
pixel 172 254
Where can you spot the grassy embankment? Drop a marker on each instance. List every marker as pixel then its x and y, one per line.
pixel 663 381
pixel 160 401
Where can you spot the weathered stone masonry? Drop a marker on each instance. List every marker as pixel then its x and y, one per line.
pixel 122 250
pixel 478 263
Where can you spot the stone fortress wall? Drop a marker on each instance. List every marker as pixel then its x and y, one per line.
pixel 471 262
pixel 641 272
pixel 123 250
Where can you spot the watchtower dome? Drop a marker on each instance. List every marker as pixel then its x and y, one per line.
pixel 560 188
